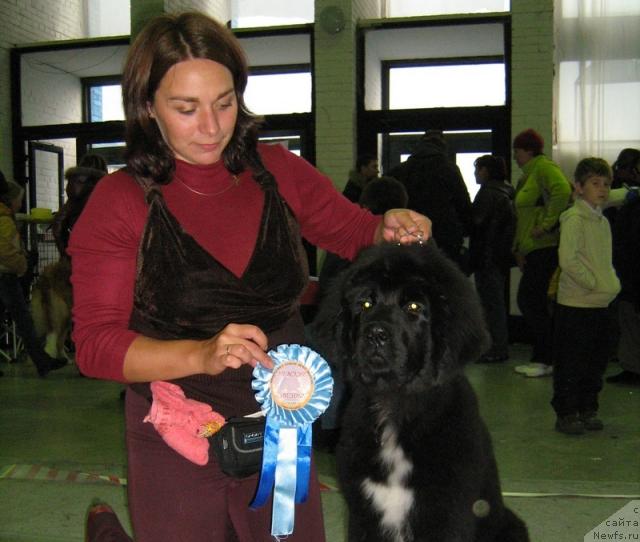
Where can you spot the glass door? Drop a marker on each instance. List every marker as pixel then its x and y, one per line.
pixel 463 146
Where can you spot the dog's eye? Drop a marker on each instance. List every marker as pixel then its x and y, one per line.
pixel 366 304
pixel 414 307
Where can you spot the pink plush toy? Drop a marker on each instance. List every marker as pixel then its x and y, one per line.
pixel 184 424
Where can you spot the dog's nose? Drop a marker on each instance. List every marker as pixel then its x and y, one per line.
pixel 377 335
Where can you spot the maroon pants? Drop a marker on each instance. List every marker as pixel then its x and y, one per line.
pixel 172 499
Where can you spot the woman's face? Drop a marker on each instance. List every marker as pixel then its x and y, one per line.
pixel 521 156
pixel 196 109
pixel 481 174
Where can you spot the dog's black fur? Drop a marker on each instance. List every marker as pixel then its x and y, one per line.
pixel 415 460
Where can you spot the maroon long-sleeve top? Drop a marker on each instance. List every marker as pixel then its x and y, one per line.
pixel 105 239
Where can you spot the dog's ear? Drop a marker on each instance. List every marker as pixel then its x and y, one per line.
pixel 326 331
pixel 458 330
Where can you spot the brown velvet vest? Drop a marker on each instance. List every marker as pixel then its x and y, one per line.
pixel 182 292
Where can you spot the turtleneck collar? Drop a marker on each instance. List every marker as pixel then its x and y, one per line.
pixel 205 178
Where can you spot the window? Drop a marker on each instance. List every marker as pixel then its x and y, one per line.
pixel 106 103
pixel 103 99
pixel 291 142
pixel 251 14
pixel 614 8
pixel 113 153
pixel 411 8
pixel 597 110
pixel 280 79
pixel 435 66
pixel 54 82
pixel 287 91
pixel 446 85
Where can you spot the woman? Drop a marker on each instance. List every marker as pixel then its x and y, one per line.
pixel 494 223
pixel 196 249
pixel 542 194
pixel 14 264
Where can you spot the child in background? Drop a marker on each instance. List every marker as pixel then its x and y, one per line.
pixel 588 283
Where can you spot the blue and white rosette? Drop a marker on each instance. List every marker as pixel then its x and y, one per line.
pixel 292 395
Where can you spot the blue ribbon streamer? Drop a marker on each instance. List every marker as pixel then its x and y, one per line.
pixel 269 458
pixel 283 512
pixel 303 463
pixel 286 459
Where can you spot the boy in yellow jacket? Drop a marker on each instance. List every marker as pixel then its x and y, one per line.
pixel 587 284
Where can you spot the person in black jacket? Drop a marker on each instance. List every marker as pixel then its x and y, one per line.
pixel 626 172
pixel 626 260
pixel 436 187
pixel 494 224
pixel 366 170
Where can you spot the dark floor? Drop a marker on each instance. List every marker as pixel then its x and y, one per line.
pixel 62 446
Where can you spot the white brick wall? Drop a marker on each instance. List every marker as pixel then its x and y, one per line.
pixel 532 69
pixel 335 81
pixel 49 95
pixel 30 21
pixel 531 83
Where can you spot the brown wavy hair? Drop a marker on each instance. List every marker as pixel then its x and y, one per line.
pixel 165 41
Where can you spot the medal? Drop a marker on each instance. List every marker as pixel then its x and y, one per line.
pixel 292 395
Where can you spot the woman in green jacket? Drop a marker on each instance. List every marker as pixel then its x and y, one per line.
pixel 542 194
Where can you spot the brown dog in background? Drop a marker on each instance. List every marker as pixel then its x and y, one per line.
pixel 51 301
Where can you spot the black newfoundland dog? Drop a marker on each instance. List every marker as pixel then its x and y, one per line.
pixel 415 460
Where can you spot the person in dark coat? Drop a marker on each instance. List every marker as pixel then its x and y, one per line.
pixel 626 172
pixel 494 224
pixel 626 260
pixel 366 170
pixel 435 186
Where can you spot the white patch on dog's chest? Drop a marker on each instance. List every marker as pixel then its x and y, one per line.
pixel 392 498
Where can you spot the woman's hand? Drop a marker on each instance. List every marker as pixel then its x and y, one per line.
pixel 234 346
pixel 150 359
pixel 403 226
